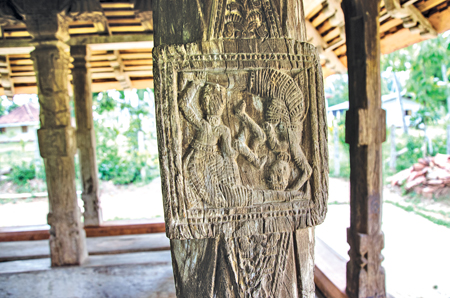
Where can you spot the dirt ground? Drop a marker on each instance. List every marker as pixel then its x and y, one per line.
pixel 118 202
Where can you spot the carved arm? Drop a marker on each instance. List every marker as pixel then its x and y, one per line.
pixel 185 98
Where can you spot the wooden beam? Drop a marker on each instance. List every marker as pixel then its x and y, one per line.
pixel 111 228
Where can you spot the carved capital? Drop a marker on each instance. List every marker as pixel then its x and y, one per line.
pixel 144 12
pixel 45 27
pixel 89 10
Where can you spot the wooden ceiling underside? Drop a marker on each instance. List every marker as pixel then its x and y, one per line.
pixel 128 39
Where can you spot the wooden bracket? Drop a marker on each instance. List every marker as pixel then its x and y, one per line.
pixel 366 133
pixel 117 64
pixel 7 83
pixel 144 12
pixel 412 18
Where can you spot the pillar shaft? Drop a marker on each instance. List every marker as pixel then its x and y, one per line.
pixel 85 136
pixel 242 145
pixel 57 146
pixel 365 132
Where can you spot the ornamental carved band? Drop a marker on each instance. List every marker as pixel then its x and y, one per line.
pixel 242 141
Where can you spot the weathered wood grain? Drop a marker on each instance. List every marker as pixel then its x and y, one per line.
pixel 242 145
pixel 365 132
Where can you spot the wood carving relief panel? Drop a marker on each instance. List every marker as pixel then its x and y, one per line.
pixel 243 137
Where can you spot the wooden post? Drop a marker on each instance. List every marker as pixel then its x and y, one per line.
pixel 57 143
pixel 393 157
pixel 242 142
pixel 86 136
pixel 337 157
pixel 365 132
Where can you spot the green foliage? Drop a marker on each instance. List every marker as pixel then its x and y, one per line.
pixel 426 75
pixel 414 146
pixel 10 108
pixel 336 86
pixel 117 150
pixel 20 174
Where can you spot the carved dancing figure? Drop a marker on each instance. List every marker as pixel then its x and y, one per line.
pixel 210 159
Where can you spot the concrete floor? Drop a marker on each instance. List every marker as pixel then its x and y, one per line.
pixel 133 275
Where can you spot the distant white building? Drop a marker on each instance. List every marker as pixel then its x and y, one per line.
pixel 20 125
pixel 389 104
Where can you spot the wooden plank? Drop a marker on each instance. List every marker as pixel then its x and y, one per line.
pixel 332 34
pixel 330 271
pixel 138 67
pixel 118 13
pixel 84 30
pixel 392 23
pixel 130 56
pixel 138 62
pixel 427 5
pixel 106 229
pixel 319 20
pixel 13 34
pixel 324 27
pixel 124 21
pixel 22 74
pixel 21 62
pixel 142 84
pixel 26 250
pixel 22 68
pixel 138 28
pixel 117 5
pixel 22 80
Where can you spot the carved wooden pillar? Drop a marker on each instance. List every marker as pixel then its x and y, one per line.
pixel 365 132
pixel 57 143
pixel 242 145
pixel 85 136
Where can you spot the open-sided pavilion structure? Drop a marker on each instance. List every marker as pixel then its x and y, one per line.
pixel 63 48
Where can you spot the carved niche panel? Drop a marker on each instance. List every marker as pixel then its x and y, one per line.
pixel 241 129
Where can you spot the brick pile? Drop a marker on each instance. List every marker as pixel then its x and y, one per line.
pixel 429 177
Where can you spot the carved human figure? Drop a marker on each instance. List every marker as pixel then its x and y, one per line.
pixel 210 159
